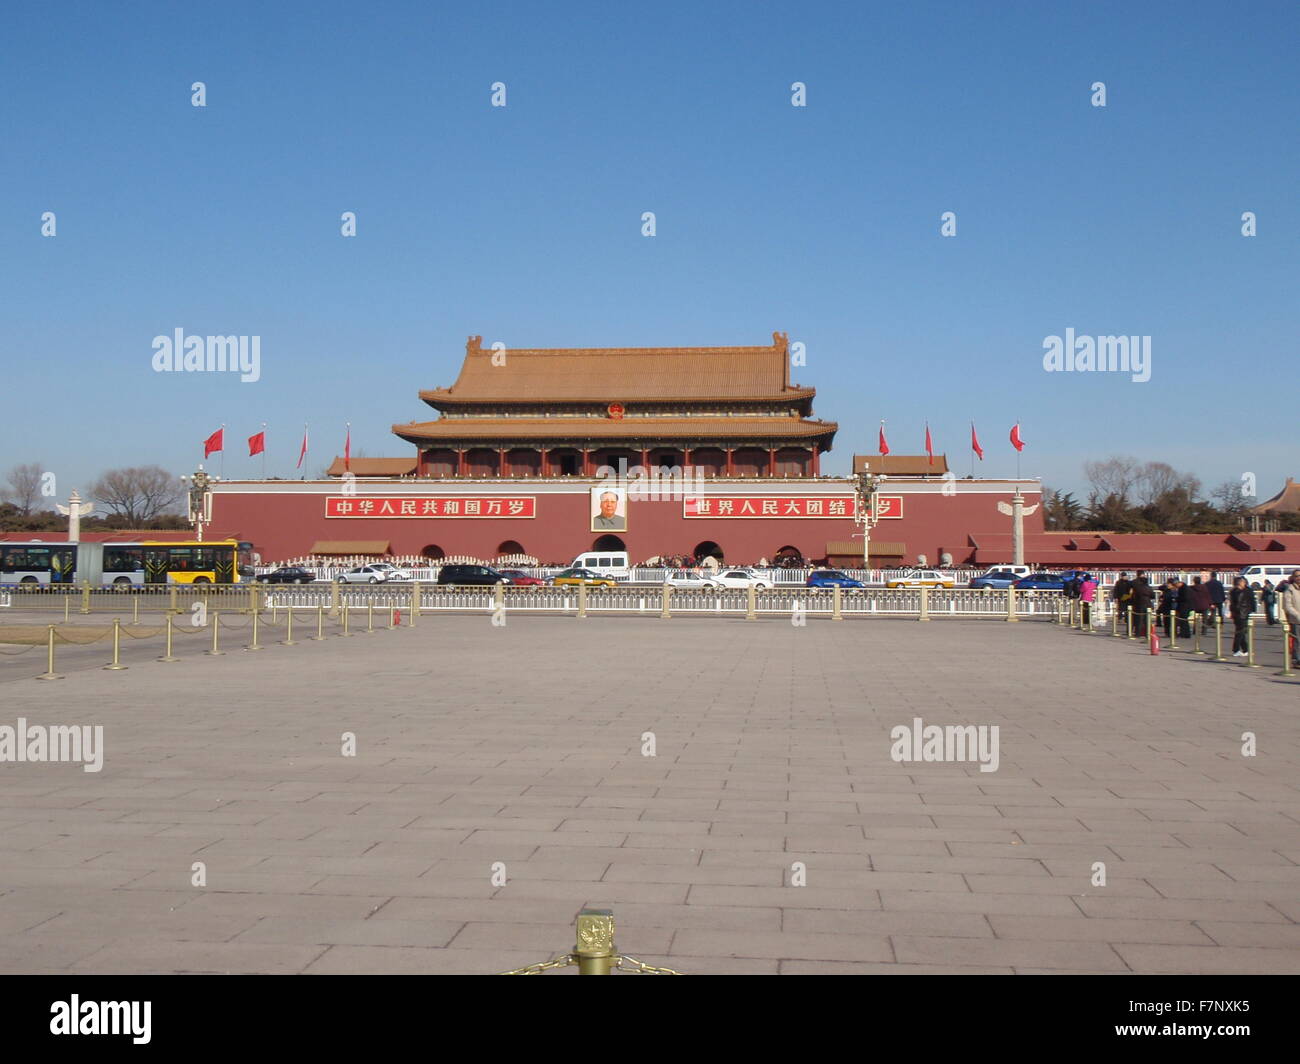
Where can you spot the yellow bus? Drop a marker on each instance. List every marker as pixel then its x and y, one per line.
pixel 171 562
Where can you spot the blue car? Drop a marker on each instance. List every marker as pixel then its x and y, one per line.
pixel 1001 581
pixel 1049 581
pixel 832 578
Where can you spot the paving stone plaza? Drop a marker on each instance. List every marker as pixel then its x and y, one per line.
pixel 518 753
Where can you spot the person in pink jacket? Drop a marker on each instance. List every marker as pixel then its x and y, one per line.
pixel 1088 593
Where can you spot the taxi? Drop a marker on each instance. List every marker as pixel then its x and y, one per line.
pixel 923 578
pixel 575 576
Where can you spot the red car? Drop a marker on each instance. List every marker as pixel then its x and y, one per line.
pixel 519 578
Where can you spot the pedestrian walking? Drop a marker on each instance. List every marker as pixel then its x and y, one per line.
pixel 1141 597
pixel 1218 594
pixel 1199 594
pixel 1168 604
pixel 1088 593
pixel 1289 593
pixel 1182 608
pixel 1120 595
pixel 1241 605
pixel 1269 595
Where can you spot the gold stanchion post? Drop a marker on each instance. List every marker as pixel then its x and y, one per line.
pixel 288 639
pixel 1250 644
pixel 320 624
pixel 49 673
pixel 169 656
pixel 116 663
pixel 594 950
pixel 215 620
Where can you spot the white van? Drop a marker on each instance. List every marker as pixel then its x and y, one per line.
pixel 609 563
pixel 1256 574
pixel 1019 570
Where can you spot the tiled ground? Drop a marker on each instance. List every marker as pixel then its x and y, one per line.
pixel 522 745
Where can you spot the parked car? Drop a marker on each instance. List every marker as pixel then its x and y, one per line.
pixel 605 562
pixel 1047 581
pixel 999 579
pixel 688 578
pixel 574 576
pixel 743 578
pixel 832 578
pixel 372 574
pixel 477 575
pixel 394 573
pixel 1019 570
pixel 287 574
pixel 923 578
pixel 519 578
pixel 1256 574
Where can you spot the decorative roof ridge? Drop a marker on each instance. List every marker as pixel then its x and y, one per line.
pixel 780 342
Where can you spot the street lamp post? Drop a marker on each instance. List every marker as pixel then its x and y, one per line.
pixel 199 500
pixel 867 489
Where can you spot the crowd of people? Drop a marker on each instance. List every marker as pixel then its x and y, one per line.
pixel 1182 606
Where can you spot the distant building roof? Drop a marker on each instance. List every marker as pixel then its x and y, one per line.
pixel 1286 501
pixel 597 428
pixel 374 467
pixel 350 546
pixel 901 465
pixel 620 374
pixel 1130 550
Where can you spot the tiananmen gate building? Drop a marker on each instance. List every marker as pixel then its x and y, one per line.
pixel 657 451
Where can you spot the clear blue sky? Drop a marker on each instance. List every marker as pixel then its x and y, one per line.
pixel 523 223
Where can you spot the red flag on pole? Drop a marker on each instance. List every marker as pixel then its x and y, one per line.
pixel 347 449
pixel 929 445
pixel 1016 441
pixel 975 442
pixel 256 444
pixel 213 443
pixel 884 447
pixel 303 453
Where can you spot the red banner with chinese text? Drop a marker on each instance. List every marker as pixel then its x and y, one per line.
pixel 887 506
pixel 425 506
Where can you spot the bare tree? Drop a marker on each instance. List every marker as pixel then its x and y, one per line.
pixel 137 495
pixel 1160 480
pixel 1113 479
pixel 24 487
pixel 1231 501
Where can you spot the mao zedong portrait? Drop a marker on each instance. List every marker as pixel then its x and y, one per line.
pixel 609 519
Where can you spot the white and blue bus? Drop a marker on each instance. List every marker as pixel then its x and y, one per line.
pixel 37 563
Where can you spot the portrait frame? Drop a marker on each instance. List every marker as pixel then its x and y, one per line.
pixel 618 521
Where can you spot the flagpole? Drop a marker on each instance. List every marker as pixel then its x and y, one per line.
pixel 223 451
pixel 1018 450
pixel 263 450
pixel 972 450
